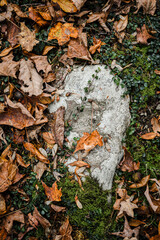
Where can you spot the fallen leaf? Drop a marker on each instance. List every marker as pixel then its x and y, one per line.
pixel 78 203
pixel 149 6
pixel 16 216
pixel 42 64
pixel 39 169
pixel 47 12
pixel 70 6
pixel 18 11
pixel 157 72
pixel 80 164
pixel 89 141
pixel 9 71
pixel 127 231
pixel 120 25
pixel 47 49
pixel 3 233
pixel 30 147
pixel 57 126
pixel 48 137
pixel 66 230
pixel 127 163
pixel 2 205
pixel 143 35
pixel 3 2
pixel 43 221
pixel 18 136
pixel 63 33
pixel 52 193
pixel 149 136
pixel 36 16
pixel 126 207
pixel 20 161
pixel 115 65
pixel 58 208
pixel 2 136
pixel 97 43
pixel 155 186
pixel 155 124
pixel 156 237
pixel 12 32
pixel 122 193
pixel 6 51
pixel 33 83
pixel 27 38
pixel 135 222
pixel 32 220
pixel 7 173
pixel 153 206
pixel 142 183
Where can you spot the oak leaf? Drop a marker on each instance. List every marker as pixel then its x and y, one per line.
pixel 143 35
pixel 142 183
pixel 89 141
pixel 52 193
pixel 63 33
pixel 30 147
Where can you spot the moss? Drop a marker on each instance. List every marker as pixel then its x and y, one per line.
pixel 95 217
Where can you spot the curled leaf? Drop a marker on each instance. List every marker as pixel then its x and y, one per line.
pixel 142 183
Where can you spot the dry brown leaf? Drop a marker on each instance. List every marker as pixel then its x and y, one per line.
pixel 16 216
pixel 30 147
pixel 120 25
pixel 6 51
pixel 2 205
pixel 3 233
pixel 12 32
pixel 70 6
pixel 155 186
pixel 7 174
pixel 127 163
pixel 149 6
pixel 13 66
pixel 123 196
pixel 149 136
pixel 18 136
pixel 95 16
pixel 27 38
pixel 20 161
pixel 18 11
pixel 80 164
pixel 39 169
pixel 58 208
pixel 127 231
pixel 157 72
pixel 63 32
pixel 47 49
pixel 48 137
pixel 78 203
pixel 42 64
pixel 66 230
pixel 89 141
pixel 155 124
pixel 143 35
pixel 43 221
pixel 52 193
pixel 97 43
pixel 57 126
pixel 142 183
pixel 37 17
pixel 153 206
pixel 17 177
pixel 33 83
pixel 126 206
pixel 135 222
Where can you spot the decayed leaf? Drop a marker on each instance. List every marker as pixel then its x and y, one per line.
pixel 155 124
pixel 30 147
pixel 20 161
pixel 58 208
pixel 52 193
pixel 57 126
pixel 127 231
pixel 89 141
pixel 27 38
pixel 43 221
pixel 149 6
pixel 13 66
pixel 2 205
pixel 80 164
pixel 142 183
pixel 48 137
pixel 17 216
pixel 78 203
pixel 63 32
pixel 149 136
pixel 70 6
pixel 39 169
pixel 42 63
pixel 120 25
pixel 36 16
pixel 127 163
pixel 33 83
pixel 12 32
pixel 143 35
pixel 97 43
pixel 126 207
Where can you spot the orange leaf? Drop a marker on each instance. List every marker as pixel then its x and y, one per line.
pixel 63 32
pixel 48 137
pixel 149 136
pixel 142 183
pixel 80 164
pixel 35 16
pixel 97 43
pixel 78 203
pixel 155 124
pixel 30 147
pixel 89 141
pixel 143 35
pixel 52 193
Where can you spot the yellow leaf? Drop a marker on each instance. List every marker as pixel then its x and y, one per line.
pixel 66 5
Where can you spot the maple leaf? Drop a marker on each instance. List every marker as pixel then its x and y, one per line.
pixel 89 141
pixel 52 193
pixel 126 206
pixel 63 32
pixel 143 35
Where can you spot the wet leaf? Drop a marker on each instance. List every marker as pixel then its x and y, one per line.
pixel 89 141
pixel 127 163
pixel 30 147
pixel 16 216
pixel 52 193
pixel 149 136
pixel 142 183
pixel 27 38
pixel 9 71
pixel 143 35
pixel 63 32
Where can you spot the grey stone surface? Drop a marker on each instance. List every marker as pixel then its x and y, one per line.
pixel 109 111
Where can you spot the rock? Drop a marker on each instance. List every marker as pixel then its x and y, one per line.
pixel 92 94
